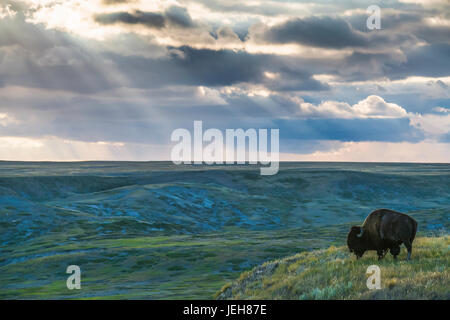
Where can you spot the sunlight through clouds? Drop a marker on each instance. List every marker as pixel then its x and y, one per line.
pixel 108 79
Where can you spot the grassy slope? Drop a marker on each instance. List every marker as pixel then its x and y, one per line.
pixel 334 274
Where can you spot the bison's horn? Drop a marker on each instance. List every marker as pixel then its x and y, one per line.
pixel 361 233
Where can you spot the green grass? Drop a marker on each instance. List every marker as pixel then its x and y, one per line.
pixel 160 231
pixel 334 273
pixel 153 267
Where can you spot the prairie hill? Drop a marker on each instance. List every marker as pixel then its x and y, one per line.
pixel 334 273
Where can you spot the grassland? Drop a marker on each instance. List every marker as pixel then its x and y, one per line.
pixel 334 273
pixel 159 231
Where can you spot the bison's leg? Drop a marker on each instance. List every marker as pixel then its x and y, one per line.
pixel 408 246
pixel 395 250
pixel 380 254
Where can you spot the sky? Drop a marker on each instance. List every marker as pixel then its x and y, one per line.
pixel 111 79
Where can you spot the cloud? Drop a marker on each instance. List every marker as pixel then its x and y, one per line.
pixel 424 151
pixel 393 130
pixel 323 32
pixel 148 19
pixel 432 124
pixel 32 56
pixel 328 32
pixel 119 75
pixel 246 9
pixel 57 149
pixel 371 107
pixel 173 16
pixel 442 84
pixel 117 1
pixel 6 119
pixel 428 60
pixel 445 138
pixel 6 11
pixel 442 109
pixel 433 34
pixel 425 60
pixel 204 67
pixel 375 107
pixel 391 20
pixel 179 16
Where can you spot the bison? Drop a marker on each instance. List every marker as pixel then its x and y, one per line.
pixel 383 230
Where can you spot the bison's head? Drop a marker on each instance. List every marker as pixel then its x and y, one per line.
pixel 355 241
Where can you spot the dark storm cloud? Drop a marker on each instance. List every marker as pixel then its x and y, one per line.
pixel 363 66
pixel 324 32
pixel 189 66
pixel 148 19
pixel 429 60
pixel 174 15
pixel 35 57
pixel 433 34
pixel 192 67
pixel 330 32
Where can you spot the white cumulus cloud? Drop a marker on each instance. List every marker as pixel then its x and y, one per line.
pixel 371 107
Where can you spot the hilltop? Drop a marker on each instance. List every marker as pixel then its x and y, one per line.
pixel 334 273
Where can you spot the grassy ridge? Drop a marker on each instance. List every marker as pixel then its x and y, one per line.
pixel 334 273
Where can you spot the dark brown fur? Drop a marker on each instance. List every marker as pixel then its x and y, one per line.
pixel 383 230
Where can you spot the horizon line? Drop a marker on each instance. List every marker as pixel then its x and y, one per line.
pixel 215 164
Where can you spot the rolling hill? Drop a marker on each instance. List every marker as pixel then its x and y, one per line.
pixel 334 273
